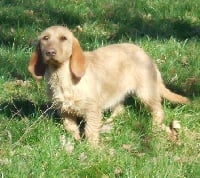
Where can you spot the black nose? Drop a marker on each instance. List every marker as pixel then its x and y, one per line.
pixel 51 52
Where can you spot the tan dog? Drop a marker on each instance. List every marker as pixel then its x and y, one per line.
pixel 87 83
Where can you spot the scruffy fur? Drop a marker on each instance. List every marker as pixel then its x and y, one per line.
pixel 87 83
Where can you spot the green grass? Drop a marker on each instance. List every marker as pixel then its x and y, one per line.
pixel 30 133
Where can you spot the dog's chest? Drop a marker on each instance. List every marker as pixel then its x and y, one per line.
pixel 62 92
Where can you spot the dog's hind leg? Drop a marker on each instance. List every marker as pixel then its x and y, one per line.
pixel 117 110
pixel 151 98
pixel 153 102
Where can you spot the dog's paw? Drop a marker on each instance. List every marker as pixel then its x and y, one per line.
pixel 107 128
pixel 174 127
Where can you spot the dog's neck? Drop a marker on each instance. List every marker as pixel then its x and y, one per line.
pixel 59 79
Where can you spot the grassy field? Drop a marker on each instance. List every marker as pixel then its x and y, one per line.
pixel 33 142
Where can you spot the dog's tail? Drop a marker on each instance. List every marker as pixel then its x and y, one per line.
pixel 173 97
pixel 169 95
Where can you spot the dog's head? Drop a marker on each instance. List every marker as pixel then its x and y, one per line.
pixel 55 46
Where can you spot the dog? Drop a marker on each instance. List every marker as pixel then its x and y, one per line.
pixel 84 84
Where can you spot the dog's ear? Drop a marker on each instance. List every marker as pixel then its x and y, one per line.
pixel 36 65
pixel 78 63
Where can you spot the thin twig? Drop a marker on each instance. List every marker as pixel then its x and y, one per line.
pixel 34 123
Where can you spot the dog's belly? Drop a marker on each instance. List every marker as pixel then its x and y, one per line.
pixel 114 99
pixel 115 91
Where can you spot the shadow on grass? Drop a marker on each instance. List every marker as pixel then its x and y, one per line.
pixel 24 108
pixel 137 19
pixel 137 27
pixel 189 91
pixel 18 19
pixel 39 15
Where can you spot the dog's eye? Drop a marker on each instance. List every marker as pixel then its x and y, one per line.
pixel 45 38
pixel 63 38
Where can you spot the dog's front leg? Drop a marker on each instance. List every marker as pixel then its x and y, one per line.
pixel 70 124
pixel 93 126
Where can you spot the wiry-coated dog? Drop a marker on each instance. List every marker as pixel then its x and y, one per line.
pixel 87 83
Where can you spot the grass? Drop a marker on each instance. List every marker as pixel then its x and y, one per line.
pixel 31 135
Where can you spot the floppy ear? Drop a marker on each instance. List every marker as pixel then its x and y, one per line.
pixel 78 63
pixel 36 65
